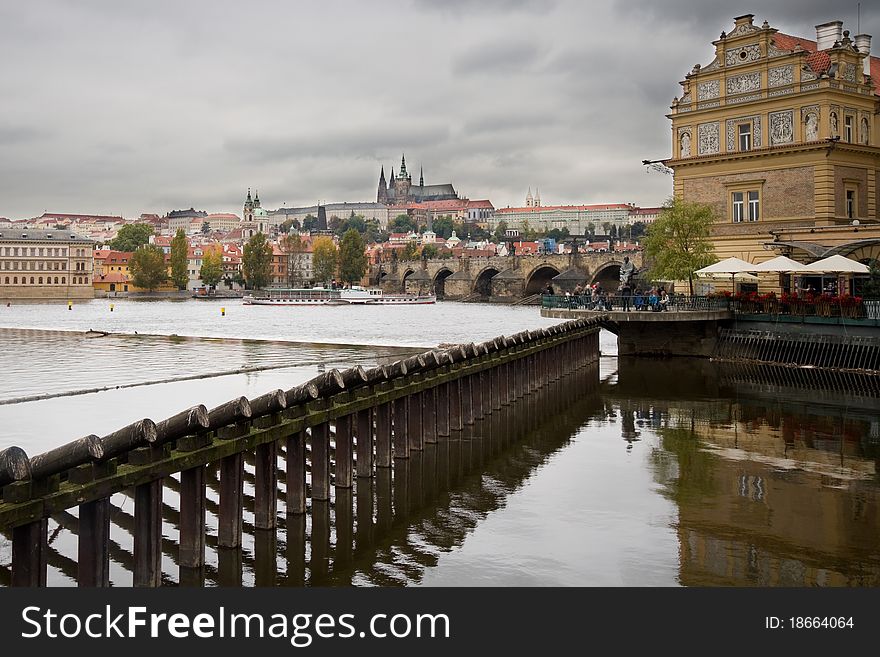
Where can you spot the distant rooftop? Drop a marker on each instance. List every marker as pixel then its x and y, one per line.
pixel 39 235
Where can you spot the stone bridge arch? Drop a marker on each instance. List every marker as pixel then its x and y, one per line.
pixel 608 275
pixel 537 279
pixel 439 281
pixel 483 281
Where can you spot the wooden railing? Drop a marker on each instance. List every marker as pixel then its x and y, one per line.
pixel 376 416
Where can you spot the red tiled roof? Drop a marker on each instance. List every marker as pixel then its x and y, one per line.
pixel 112 277
pixel 610 206
pixel 105 217
pixel 481 204
pixel 820 60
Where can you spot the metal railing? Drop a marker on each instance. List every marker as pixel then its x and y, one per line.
pixel 636 303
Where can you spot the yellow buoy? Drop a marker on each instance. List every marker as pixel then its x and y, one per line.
pixel 111 307
pixel 223 312
pixel 69 305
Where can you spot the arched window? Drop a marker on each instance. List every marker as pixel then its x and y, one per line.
pixel 7 280
pixel 56 280
pixel 64 280
pixel 32 280
pixel 15 280
pixel 40 281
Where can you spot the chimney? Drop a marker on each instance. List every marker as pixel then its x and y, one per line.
pixel 863 43
pixel 828 33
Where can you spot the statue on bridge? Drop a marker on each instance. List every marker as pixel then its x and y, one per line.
pixel 627 271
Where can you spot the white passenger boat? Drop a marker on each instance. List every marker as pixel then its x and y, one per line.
pixel 318 296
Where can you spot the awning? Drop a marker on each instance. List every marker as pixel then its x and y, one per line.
pixel 780 264
pixel 727 266
pixel 836 264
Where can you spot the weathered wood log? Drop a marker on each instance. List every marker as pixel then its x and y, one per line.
pixel 395 370
pixel 302 394
pixel 414 363
pixel 66 457
pixel 14 465
pixel 192 420
pixel 376 375
pixel 233 411
pixel 138 434
pixel 431 359
pixel 354 377
pixel 329 383
pixel 271 402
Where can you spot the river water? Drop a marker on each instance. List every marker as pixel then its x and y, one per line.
pixel 668 472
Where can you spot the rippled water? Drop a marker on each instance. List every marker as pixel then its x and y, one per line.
pixel 667 472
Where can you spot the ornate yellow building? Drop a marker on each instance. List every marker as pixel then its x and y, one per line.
pixel 779 134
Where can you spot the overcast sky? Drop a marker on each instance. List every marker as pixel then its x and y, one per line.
pixel 128 107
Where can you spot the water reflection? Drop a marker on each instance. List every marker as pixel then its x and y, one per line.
pixel 668 472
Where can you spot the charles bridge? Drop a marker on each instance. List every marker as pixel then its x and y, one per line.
pixel 501 277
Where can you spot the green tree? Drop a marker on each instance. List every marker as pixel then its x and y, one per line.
pixel 591 229
pixel 310 223
pixel 558 234
pixel 410 251
pixel 678 242
pixel 206 228
pixel 501 230
pixel 179 260
pixel 295 249
pixel 373 233
pixel 212 267
pixel 430 251
pixel 147 267
pixel 325 258
pixel 402 223
pixel 131 236
pixel 352 257
pixel 637 230
pixel 443 226
pixel 871 287
pixel 288 224
pixel 606 227
pixel 256 261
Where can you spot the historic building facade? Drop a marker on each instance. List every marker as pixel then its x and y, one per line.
pixel 778 134
pixel 45 264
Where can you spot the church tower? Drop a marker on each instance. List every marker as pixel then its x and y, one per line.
pixel 530 202
pixel 403 183
pixel 537 198
pixel 248 213
pixel 382 193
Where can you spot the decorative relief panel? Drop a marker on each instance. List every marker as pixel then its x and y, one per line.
pixel 742 55
pixel 714 65
pixel 849 72
pixel 740 84
pixel 807 75
pixel 742 29
pixel 708 138
pixel 773 51
pixel 709 105
pixel 708 89
pixel 810 86
pixel 781 127
pixel 778 77
pixel 744 99
pixel 732 131
pixel 685 100
pixel 781 92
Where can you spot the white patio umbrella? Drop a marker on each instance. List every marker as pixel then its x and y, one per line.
pixel 780 264
pixel 727 266
pixel 836 264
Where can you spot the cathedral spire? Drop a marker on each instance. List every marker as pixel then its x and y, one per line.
pixel 403 166
pixel 256 198
pixel 382 193
pixel 421 177
pixel 249 194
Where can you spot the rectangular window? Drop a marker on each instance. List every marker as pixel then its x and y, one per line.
pixel 850 203
pixel 848 128
pixel 745 136
pixel 754 207
pixel 737 207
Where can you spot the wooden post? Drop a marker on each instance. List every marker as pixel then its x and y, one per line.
pixel 29 553
pixel 429 415
pixel 442 411
pixel 467 400
pixel 343 451
pixel 495 387
pixel 191 552
pixel 344 527
pixel 455 404
pixel 401 439
pixel 229 566
pixel 383 436
pixel 93 550
pixel 321 461
pixel 480 410
pixel 296 473
pixel 320 541
pixel 365 443
pixel 265 566
pixel 402 471
pixel 231 503
pixel 383 501
pixel 148 534
pixel 296 550
pixel 364 515
pixel 414 422
pixel 266 486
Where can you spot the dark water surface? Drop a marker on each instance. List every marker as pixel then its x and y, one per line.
pixel 672 472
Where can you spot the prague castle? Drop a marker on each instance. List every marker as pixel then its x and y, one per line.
pixel 399 189
pixel 778 134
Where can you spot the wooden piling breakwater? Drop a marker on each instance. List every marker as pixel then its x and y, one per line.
pixel 336 428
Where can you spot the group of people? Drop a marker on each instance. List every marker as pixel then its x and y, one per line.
pixel 594 297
